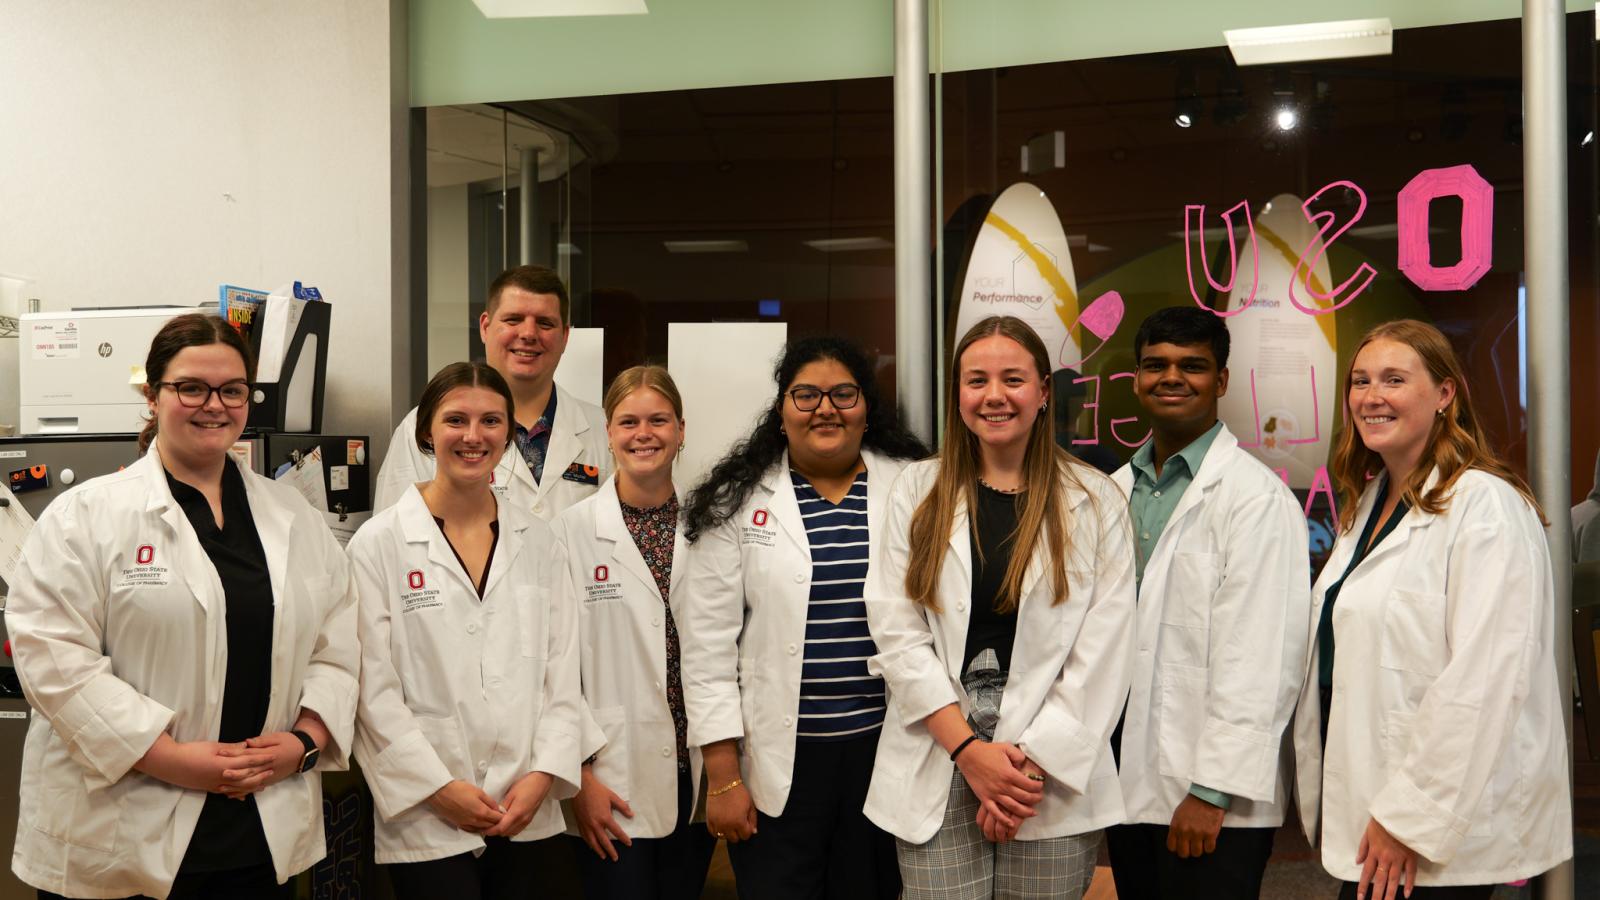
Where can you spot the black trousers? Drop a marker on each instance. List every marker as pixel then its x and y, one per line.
pixel 253 883
pixel 667 868
pixel 506 870
pixel 822 847
pixel 1463 892
pixel 1145 869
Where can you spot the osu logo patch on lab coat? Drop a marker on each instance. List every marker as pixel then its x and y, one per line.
pixel 144 572
pixel 758 532
pixel 602 588
pixel 417 595
pixel 582 474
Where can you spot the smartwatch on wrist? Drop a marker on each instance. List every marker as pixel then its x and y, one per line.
pixel 313 753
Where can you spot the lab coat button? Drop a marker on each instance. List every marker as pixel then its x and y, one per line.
pixel 472 628
pixel 658 685
pixel 961 606
pixel 483 765
pixel 799 578
pixel 793 649
pixel 666 751
pixel 787 721
pixel 655 621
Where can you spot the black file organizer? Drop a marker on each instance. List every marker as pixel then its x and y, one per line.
pixel 269 406
pixel 283 448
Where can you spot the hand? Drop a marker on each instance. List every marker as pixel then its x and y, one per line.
pixel 286 753
pixel 1194 828
pixel 520 803
pixel 993 831
pixel 592 808
pixel 202 765
pixel 466 807
pixel 731 815
pixel 994 772
pixel 1385 862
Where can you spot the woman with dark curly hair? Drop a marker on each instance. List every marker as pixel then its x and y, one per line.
pixel 774 630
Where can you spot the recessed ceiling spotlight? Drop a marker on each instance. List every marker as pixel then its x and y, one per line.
pixel 1286 119
pixel 1182 120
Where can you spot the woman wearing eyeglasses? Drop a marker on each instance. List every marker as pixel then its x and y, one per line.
pixel 774 630
pixel 185 632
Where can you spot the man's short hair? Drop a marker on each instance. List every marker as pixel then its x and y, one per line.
pixel 1184 326
pixel 534 280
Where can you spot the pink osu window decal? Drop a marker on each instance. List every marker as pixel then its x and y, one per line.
pixel 760 518
pixel 145 555
pixel 601 573
pixel 1477 227
pixel 415 579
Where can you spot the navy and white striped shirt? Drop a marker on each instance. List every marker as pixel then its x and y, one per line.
pixel 838 699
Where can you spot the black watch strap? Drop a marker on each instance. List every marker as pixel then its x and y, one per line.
pixel 312 751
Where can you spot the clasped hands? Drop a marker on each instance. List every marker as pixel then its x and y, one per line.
pixel 1007 783
pixel 465 805
pixel 235 770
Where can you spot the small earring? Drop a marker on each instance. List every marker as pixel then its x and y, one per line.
pixel 1439 412
pixel 680 448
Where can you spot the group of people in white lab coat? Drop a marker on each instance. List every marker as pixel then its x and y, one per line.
pixel 872 674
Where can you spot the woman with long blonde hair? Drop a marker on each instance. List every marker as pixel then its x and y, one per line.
pixel 1007 571
pixel 1445 767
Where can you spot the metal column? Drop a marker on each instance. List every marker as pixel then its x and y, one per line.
pixel 913 258
pixel 528 191
pixel 1544 200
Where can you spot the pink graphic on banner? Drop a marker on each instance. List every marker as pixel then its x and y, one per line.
pixel 1196 213
pixel 1477 227
pixel 1115 422
pixel 1090 405
pixel 1100 319
pixel 1316 411
pixel 1325 220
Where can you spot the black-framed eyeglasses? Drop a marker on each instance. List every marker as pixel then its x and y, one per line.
pixel 842 396
pixel 195 394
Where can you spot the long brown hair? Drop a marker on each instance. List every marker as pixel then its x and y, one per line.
pixel 180 332
pixel 1042 516
pixel 1456 441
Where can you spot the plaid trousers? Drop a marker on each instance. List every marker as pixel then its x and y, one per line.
pixel 959 864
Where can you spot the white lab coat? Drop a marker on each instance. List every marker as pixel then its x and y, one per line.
pixel 743 625
pixel 1224 612
pixel 1446 724
pixel 118 626
pixel 457 688
pixel 577 438
pixel 623 650
pixel 1069 673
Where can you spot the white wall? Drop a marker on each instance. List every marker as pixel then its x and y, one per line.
pixel 449 312
pixel 150 151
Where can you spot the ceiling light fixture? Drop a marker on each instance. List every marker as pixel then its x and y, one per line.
pixel 1311 41
pixel 1286 119
pixel 706 246
pixel 844 245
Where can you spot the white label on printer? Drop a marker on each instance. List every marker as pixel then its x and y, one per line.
pixel 13 454
pixel 55 340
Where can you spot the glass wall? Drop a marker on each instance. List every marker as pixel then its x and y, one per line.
pixel 1145 161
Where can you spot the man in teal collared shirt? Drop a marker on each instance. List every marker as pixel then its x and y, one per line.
pixel 1181 375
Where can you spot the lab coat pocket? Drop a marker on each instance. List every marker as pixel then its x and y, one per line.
pixel 69 811
pixel 1182 707
pixel 444 736
pixel 612 766
pixel 1413 637
pixel 532 611
pixel 1186 609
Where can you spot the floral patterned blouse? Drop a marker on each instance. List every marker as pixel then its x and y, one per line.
pixel 653 533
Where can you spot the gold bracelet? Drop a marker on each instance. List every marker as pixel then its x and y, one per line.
pixel 725 788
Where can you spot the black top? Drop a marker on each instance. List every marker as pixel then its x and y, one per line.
pixel 992 531
pixel 494 542
pixel 229 835
pixel 1365 544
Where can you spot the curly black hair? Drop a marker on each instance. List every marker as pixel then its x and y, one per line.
pixel 730 481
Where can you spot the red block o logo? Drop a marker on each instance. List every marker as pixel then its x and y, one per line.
pixel 601 573
pixel 760 518
pixel 145 555
pixel 414 578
